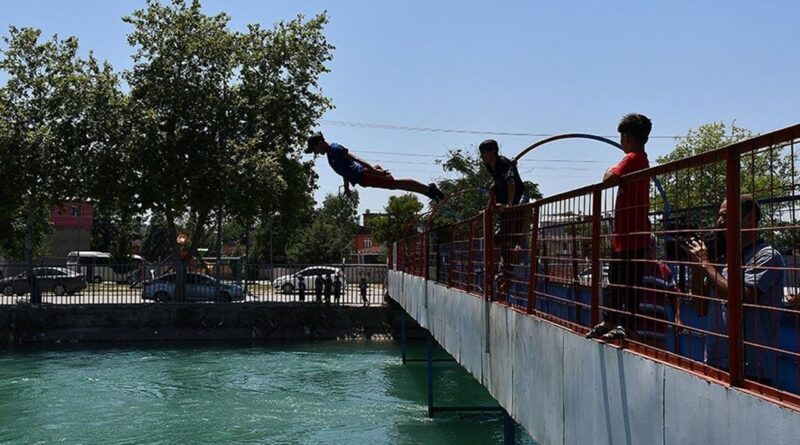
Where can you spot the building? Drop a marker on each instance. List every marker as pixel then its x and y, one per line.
pixel 365 251
pixel 72 227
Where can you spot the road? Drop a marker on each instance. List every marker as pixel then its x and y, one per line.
pixel 259 291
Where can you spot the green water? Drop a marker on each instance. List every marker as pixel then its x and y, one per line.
pixel 317 393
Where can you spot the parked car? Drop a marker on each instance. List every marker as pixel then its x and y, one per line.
pixel 57 280
pixel 288 283
pixel 199 287
pixel 585 277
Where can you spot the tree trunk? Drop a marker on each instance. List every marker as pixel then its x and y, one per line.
pixel 219 248
pixel 178 265
pixel 36 296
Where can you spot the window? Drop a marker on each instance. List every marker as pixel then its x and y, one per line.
pixel 367 243
pixel 77 210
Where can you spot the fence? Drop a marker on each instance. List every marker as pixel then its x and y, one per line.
pixel 131 283
pixel 728 311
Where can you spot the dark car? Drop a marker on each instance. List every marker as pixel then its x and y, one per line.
pixel 57 280
pixel 199 287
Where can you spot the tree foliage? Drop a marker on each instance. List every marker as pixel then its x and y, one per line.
pixel 218 114
pixel 329 236
pixel 400 220
pixel 765 173
pixel 47 127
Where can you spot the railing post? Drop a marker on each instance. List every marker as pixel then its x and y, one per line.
pixel 470 266
pixel 597 270
pixel 426 254
pixel 451 256
pixel 532 257
pixel 488 253
pixel 734 253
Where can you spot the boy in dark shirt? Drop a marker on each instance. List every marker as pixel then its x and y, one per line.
pixel 508 191
pixel 337 289
pixel 355 170
pixel 327 284
pixel 362 286
pixel 318 284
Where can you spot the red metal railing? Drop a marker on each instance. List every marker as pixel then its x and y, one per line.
pixel 731 317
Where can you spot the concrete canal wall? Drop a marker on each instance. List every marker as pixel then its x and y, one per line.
pixel 565 389
pixel 24 323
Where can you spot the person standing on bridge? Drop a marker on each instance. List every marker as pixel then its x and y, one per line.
pixel 508 191
pixel 631 232
pixel 357 171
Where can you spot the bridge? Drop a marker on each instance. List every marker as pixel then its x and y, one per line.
pixel 701 367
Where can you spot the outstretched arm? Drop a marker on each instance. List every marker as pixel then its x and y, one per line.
pixel 355 158
pixel 346 187
pixel 512 191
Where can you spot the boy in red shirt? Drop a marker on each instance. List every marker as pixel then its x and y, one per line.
pixel 631 234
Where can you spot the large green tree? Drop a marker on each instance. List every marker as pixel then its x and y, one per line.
pixel 764 173
pixel 328 237
pixel 219 115
pixel 695 193
pixel 401 218
pixel 48 127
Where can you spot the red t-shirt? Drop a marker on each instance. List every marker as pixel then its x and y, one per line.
pixel 631 224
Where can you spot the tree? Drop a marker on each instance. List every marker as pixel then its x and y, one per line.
pixel 400 219
pixel 156 244
pixel 696 193
pixel 471 174
pixel 329 236
pixel 219 115
pixel 45 122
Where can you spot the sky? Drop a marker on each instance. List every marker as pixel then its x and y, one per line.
pixel 482 68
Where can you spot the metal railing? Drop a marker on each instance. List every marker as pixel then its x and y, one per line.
pixel 730 317
pixel 132 283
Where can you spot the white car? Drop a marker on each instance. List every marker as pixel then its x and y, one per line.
pixel 199 287
pixel 288 283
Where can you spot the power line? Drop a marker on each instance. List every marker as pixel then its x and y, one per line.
pixel 418 155
pixel 458 131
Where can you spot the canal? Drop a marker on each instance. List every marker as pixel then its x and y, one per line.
pixel 354 392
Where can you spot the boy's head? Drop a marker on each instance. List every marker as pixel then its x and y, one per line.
pixel 634 130
pixel 488 150
pixel 316 144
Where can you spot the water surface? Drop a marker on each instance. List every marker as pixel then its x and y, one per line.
pixel 312 393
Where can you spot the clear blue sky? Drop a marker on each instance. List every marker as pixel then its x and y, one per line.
pixel 525 67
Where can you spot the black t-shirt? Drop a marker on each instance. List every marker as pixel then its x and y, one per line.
pixel 504 171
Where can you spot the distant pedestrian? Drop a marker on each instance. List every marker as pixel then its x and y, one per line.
pixel 318 284
pixel 337 289
pixel 362 286
pixel 301 289
pixel 327 284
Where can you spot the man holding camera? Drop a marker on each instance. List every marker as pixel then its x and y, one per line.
pixel 762 293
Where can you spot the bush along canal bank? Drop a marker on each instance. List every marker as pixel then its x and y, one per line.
pixel 53 324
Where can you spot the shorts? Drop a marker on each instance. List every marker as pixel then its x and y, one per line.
pixel 372 179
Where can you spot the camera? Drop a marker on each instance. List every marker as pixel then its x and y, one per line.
pixel 714 242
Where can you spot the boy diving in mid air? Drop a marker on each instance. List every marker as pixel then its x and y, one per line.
pixel 356 171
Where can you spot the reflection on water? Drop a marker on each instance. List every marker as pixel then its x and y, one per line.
pixel 316 393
